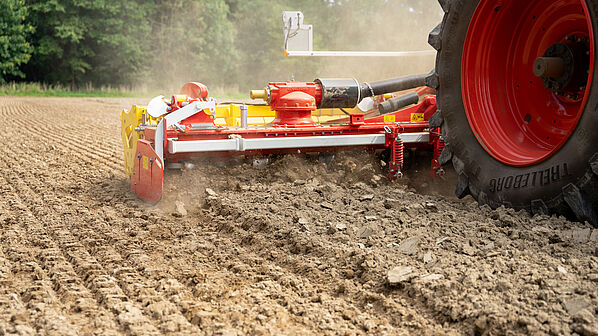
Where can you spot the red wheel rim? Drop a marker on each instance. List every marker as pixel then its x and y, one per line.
pixel 512 114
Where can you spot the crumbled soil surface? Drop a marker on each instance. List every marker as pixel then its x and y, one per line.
pixel 299 247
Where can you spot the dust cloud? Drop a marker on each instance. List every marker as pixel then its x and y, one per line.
pixel 255 57
pixel 399 25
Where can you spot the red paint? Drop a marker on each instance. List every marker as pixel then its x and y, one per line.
pixel 427 106
pixel 195 90
pixel 294 109
pixel 438 144
pixel 293 102
pixel 397 150
pixel 514 117
pixel 201 117
pixel 356 119
pixel 147 181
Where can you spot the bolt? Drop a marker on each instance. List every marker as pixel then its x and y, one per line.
pixel 139 155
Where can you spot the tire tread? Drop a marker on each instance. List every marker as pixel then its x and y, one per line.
pixel 579 203
pixel 462 188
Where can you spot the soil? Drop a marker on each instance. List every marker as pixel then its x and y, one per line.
pixel 299 247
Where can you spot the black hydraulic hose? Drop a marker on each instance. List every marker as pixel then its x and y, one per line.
pixel 398 103
pixel 392 85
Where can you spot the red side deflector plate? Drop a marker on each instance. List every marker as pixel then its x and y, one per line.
pixel 147 181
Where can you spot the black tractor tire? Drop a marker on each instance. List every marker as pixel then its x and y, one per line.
pixel 564 184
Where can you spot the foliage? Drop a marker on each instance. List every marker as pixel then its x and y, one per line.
pixel 191 40
pixel 14 47
pixel 78 41
pixel 226 43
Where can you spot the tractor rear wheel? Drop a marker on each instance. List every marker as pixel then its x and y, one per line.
pixel 517 103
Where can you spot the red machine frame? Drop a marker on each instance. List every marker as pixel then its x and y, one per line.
pixel 184 140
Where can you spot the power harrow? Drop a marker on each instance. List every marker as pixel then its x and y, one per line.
pixel 168 132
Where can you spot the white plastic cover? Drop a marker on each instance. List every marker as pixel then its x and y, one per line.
pixel 366 104
pixel 157 107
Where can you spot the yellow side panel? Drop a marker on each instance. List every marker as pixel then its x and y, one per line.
pixel 129 121
pixel 230 114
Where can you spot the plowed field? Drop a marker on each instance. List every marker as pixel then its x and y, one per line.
pixel 296 248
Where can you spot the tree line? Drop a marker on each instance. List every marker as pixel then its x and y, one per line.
pixel 219 42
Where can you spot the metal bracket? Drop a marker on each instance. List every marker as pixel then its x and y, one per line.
pixel 174 118
pixel 189 110
pixel 159 139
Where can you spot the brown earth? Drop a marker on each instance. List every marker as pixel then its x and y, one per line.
pixel 297 248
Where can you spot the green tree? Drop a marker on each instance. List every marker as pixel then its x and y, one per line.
pixel 14 47
pixel 165 43
pixel 260 41
pixel 88 41
pixel 192 40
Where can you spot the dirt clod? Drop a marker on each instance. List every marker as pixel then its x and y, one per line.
pixel 409 245
pixel 180 209
pixel 400 274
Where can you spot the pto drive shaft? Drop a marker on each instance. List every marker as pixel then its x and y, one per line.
pixel 346 92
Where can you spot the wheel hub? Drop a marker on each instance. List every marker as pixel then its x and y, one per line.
pixel 564 67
